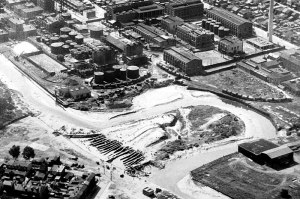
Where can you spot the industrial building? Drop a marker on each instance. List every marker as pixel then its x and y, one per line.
pixel 237 25
pixel 47 5
pixel 3 36
pixel 150 11
pixel 260 43
pixel 128 47
pixel 155 35
pixel 28 11
pixel 185 9
pixel 291 60
pixel 74 92
pixel 170 23
pixel 269 71
pixel 265 152
pixel 292 86
pixel 254 149
pixel 230 45
pixel 196 36
pixel 183 60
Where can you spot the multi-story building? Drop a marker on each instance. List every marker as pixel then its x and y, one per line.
pixel 28 11
pixel 150 11
pixel 170 23
pixel 196 36
pixel 185 9
pixel 291 60
pixel 186 61
pixel 230 45
pixel 238 26
pixel 128 47
pixel 155 35
pixel 47 5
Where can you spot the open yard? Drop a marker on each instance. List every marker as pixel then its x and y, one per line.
pixel 212 57
pixel 237 177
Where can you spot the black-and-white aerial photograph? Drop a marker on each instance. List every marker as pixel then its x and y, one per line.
pixel 149 99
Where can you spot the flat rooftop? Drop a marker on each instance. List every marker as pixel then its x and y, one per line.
pixel 261 42
pixel 258 146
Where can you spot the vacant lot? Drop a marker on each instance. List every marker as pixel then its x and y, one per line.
pixel 237 177
pixel 241 82
pixel 11 107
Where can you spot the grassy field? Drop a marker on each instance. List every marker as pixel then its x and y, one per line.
pixel 237 177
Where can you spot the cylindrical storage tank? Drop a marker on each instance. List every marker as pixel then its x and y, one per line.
pixel 54 39
pixel 116 69
pixel 207 25
pixel 73 44
pixel 68 42
pixel 226 31
pixel 96 32
pixel 56 48
pixel 79 39
pixel 38 38
pixel 72 35
pixel 203 23
pixel 219 23
pixel 123 74
pixel 98 77
pixel 66 16
pixel 209 19
pixel 65 31
pixel 133 72
pixel 211 27
pixel 64 38
pixel 109 76
pixel 216 29
pixel 221 31
pixel 65 49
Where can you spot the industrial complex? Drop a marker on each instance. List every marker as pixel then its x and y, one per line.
pixel 149 99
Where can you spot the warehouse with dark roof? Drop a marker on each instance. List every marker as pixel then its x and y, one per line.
pixel 238 26
pixel 185 9
pixel 265 152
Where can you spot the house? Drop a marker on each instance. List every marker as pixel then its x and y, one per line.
pixel 230 45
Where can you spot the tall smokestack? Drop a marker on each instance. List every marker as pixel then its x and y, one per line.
pixel 271 16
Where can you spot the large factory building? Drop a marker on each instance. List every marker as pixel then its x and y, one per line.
pixel 184 60
pixel 155 35
pixel 238 26
pixel 170 23
pixel 196 36
pixel 185 9
pixel 128 47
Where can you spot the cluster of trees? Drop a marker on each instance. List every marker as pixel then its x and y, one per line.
pixel 28 152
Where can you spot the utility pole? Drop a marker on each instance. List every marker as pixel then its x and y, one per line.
pixel 271 16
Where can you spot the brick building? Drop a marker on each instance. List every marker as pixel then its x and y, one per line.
pixel 183 60
pixel 185 9
pixel 230 45
pixel 155 36
pixel 170 23
pixel 238 26
pixel 196 36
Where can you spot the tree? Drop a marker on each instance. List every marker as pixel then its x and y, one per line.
pixel 28 153
pixel 14 151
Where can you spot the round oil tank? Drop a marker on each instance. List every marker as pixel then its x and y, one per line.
pixel 203 23
pixel 72 35
pixel 56 48
pixel 38 38
pixel 116 69
pixel 98 77
pixel 64 38
pixel 207 25
pixel 66 16
pixel 54 39
pixel 96 32
pixel 226 31
pixel 209 19
pixel 211 27
pixel 133 72
pixel 216 29
pixel 65 31
pixel 123 74
pixel 109 76
pixel 73 44
pixel 219 23
pixel 79 39
pixel 221 32
pixel 66 49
